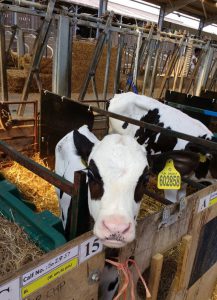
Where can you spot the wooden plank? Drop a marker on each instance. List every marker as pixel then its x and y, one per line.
pixel 154 277
pixel 203 288
pixel 72 283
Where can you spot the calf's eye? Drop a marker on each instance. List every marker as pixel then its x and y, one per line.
pixel 140 187
pixel 95 181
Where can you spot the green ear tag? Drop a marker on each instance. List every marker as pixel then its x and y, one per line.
pixel 169 178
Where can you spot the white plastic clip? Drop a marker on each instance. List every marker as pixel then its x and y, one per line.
pixel 45 92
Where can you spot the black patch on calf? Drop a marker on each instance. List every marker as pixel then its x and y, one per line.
pixel 210 163
pixel 202 170
pixel 82 144
pixel 163 143
pixel 62 214
pixel 95 181
pixel 61 194
pixel 113 284
pixel 125 124
pixel 140 186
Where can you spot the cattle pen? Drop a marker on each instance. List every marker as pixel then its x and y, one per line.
pixel 53 81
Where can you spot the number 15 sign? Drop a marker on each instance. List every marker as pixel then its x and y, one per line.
pixel 89 248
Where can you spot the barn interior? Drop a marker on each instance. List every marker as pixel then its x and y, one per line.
pixel 60 64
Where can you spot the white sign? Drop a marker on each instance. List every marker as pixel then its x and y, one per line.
pixel 89 248
pixel 11 290
pixel 50 265
pixel 207 201
pixel 204 203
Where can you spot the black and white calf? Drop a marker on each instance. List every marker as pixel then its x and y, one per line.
pixel 152 111
pixel 117 173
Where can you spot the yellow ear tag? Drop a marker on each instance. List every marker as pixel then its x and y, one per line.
pixel 84 162
pixel 202 158
pixel 169 178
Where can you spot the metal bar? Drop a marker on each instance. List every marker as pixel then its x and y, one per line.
pixel 156 197
pixel 203 77
pixel 107 70
pixel 61 77
pixel 154 71
pixel 161 16
pixel 147 66
pixel 14 29
pixel 36 126
pixel 38 52
pixel 116 27
pixel 197 185
pixel 118 63
pixel 96 57
pixel 155 128
pixel 136 63
pixel 58 181
pixel 3 72
pixel 194 109
pixel 20 42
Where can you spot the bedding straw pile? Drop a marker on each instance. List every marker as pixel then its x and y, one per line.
pixel 149 205
pixel 82 52
pixel 33 187
pixel 16 249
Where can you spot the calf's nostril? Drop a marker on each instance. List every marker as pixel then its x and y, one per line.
pixel 120 228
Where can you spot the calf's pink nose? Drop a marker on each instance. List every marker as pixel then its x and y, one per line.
pixel 113 226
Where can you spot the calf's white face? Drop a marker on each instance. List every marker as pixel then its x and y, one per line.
pixel 117 173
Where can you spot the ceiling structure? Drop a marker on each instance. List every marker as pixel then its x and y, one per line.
pixel 205 10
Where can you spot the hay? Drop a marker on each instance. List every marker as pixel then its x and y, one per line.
pixel 32 187
pixel 149 205
pixel 82 52
pixel 16 249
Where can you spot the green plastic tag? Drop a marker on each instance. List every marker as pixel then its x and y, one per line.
pixel 169 178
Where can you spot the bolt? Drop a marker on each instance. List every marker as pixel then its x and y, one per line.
pixel 95 276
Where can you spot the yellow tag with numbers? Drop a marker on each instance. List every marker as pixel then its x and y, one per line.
pixel 169 178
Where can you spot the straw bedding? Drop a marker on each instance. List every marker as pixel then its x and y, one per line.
pixel 16 249
pixel 82 52
pixel 31 186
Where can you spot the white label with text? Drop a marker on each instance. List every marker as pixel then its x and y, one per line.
pixel 50 265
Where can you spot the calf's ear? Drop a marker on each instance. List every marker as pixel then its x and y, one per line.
pixel 184 161
pixel 83 145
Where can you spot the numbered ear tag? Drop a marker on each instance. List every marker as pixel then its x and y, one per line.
pixel 169 178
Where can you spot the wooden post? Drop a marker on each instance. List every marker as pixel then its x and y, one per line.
pixel 155 273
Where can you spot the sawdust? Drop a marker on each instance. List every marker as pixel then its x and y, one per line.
pixel 16 249
pixel 32 187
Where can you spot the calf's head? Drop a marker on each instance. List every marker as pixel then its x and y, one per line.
pixel 117 174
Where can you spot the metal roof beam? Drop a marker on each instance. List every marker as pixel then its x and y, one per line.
pixel 177 5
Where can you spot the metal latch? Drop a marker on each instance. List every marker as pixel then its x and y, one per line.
pixel 168 219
